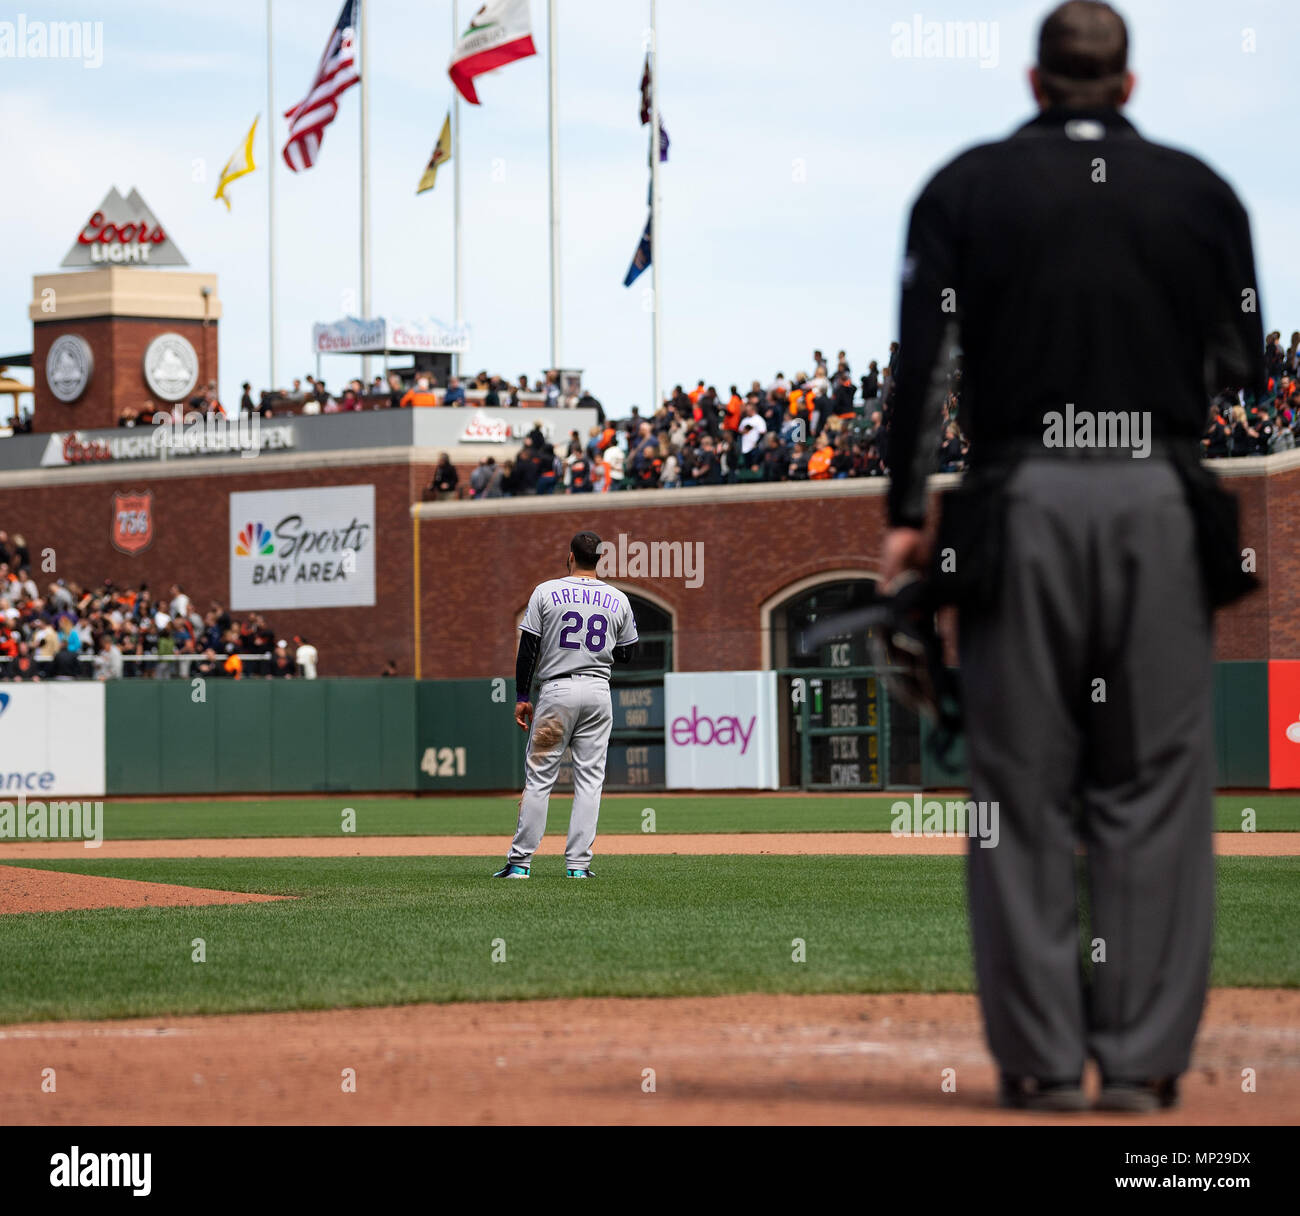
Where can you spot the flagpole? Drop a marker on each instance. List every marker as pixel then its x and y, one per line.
pixel 365 184
pixel 553 75
pixel 270 204
pixel 455 169
pixel 656 352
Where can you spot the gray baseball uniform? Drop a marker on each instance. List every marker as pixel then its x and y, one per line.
pixel 578 621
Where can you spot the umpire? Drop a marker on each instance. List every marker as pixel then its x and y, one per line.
pixel 1092 279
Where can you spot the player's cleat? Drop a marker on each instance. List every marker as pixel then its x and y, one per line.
pixel 1033 1093
pixel 578 874
pixel 1139 1097
pixel 510 870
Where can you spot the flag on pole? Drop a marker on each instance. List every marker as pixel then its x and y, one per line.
pixel 645 112
pixel 640 259
pixel 337 73
pixel 499 33
pixel 239 165
pixel 441 154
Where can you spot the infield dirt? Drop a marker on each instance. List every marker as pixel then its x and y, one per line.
pixel 734 1059
pixel 26 890
pixel 867 1059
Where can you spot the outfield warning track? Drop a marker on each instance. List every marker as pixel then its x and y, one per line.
pixel 780 844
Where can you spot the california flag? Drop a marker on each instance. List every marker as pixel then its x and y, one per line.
pixel 499 33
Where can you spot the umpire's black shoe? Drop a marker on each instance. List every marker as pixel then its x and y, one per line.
pixel 1139 1097
pixel 1038 1093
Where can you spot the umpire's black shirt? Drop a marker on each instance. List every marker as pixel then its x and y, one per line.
pixel 1074 262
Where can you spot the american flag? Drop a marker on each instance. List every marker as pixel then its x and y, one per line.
pixel 337 73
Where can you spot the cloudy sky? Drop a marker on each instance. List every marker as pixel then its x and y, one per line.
pixel 800 135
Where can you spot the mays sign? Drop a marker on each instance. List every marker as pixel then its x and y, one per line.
pixel 302 548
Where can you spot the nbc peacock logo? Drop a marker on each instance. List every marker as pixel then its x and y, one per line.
pixel 254 541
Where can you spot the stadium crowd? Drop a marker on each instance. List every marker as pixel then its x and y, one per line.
pixel 822 426
pixel 113 632
pixel 808 427
pixel 483 389
pixel 804 428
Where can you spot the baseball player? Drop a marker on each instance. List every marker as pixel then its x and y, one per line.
pixel 574 630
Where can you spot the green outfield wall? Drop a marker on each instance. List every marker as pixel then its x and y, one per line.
pixel 255 736
pixel 302 736
pixel 1241 733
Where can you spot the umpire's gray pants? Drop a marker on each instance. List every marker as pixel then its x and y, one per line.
pixel 573 713
pixel 1090 682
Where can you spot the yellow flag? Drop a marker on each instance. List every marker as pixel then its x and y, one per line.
pixel 239 165
pixel 441 153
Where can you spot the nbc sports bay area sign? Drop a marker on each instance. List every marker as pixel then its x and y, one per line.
pixel 171 366
pixel 68 367
pixel 309 548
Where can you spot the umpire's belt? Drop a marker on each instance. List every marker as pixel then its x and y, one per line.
pixel 1011 451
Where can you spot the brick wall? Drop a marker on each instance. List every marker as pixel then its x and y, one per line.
pixel 191 547
pixel 477 570
pixel 118 345
pixel 479 560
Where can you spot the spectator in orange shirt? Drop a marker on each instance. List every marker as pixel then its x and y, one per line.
pixel 735 409
pixel 696 393
pixel 819 463
pixel 211 404
pixel 233 666
pixel 420 394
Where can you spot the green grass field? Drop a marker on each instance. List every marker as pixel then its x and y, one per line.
pixel 392 930
pixel 368 931
pixel 620 814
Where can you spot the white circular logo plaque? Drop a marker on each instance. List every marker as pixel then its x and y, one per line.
pixel 170 366
pixel 68 367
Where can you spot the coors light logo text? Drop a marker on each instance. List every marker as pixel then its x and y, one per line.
pixel 130 242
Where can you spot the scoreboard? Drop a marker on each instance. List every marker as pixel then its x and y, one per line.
pixel 636 746
pixel 851 759
pixel 637 706
pixel 633 765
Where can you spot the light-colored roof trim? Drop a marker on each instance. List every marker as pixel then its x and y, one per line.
pixel 852 487
pixel 615 500
pixel 1256 466
pixel 215 466
pixel 289 462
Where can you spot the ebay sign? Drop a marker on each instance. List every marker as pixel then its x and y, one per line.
pixel 720 730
